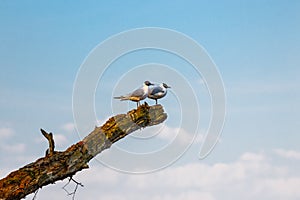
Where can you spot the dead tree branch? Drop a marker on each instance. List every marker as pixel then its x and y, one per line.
pixel 58 165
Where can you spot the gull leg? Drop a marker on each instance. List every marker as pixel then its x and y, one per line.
pixel 156 101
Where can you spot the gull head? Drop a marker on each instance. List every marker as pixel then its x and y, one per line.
pixel 165 85
pixel 148 83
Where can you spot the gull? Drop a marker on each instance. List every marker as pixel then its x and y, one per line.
pixel 158 91
pixel 137 95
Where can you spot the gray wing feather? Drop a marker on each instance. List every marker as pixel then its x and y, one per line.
pixel 155 90
pixel 138 93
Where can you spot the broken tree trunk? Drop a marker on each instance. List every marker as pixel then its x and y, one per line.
pixel 58 165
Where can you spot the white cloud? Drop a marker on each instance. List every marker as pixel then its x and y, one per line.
pixel 6 133
pixel 13 148
pixel 99 175
pixel 189 195
pixel 289 154
pixel 252 157
pixel 60 140
pixel 282 188
pixel 69 127
pixel 251 176
pixel 182 136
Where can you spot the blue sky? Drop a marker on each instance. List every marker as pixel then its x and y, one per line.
pixel 255 45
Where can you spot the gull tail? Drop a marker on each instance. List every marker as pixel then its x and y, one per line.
pixel 122 98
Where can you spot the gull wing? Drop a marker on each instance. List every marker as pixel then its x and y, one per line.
pixel 138 93
pixel 155 90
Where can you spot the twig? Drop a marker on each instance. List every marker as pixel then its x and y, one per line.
pixel 35 194
pixel 75 189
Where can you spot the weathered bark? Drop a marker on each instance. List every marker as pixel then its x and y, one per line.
pixel 60 165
